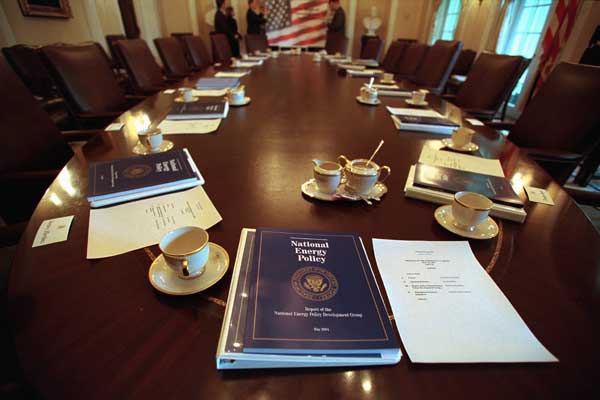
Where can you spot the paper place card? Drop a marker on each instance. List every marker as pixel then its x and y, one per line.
pixel 53 231
pixel 116 126
pixel 538 195
pixel 474 121
pixel 169 91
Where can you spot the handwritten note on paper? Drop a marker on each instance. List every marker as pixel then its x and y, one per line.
pixel 189 126
pixel 53 231
pixel 538 195
pixel 448 309
pixel 463 162
pixel 126 227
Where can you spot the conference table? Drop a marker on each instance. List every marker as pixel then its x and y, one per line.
pixel 96 329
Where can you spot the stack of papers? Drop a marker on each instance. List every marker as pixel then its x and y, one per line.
pixel 189 127
pixel 217 83
pixel 391 90
pixel 209 93
pixel 448 309
pixel 429 121
pixel 229 74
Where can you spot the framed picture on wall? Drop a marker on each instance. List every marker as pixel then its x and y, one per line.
pixel 46 8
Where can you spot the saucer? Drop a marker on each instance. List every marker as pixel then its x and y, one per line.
pixel 412 103
pixel 311 189
pixel 142 150
pixel 369 103
pixel 246 101
pixel 467 148
pixel 165 280
pixel 487 229
pixel 378 190
pixel 392 82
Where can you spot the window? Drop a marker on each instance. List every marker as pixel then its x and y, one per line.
pixel 521 33
pixel 446 21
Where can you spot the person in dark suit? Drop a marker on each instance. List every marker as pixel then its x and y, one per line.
pixel 223 26
pixel 256 19
pixel 232 22
pixel 338 22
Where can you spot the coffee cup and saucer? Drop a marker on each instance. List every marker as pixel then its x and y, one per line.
pixel 387 79
pixel 468 216
pixel 151 141
pixel 186 95
pixel 368 96
pixel 189 263
pixel 237 97
pixel 363 179
pixel 327 176
pixel 418 98
pixel 461 140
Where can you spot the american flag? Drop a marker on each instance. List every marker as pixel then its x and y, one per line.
pixel 297 22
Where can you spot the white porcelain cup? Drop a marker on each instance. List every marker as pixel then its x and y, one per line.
pixel 328 175
pixel 317 57
pixel 362 175
pixel 470 209
pixel 387 77
pixel 368 94
pixel 418 97
pixel 245 56
pixel 235 62
pixel 186 251
pixel 462 136
pixel 151 139
pixel 188 95
pixel 236 95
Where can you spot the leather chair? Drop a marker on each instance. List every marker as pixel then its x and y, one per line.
pixel 393 56
pixel 465 61
pixel 336 43
pixel 221 49
pixel 436 65
pixel 559 127
pixel 372 49
pixel 197 53
pixel 117 59
pixel 173 57
pixel 256 42
pixel 34 150
pixel 90 88
pixel 489 84
pixel 145 74
pixel 411 60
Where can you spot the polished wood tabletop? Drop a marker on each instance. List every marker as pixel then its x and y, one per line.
pixel 96 329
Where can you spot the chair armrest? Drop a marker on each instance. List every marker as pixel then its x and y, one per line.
pixel 479 113
pixel 582 196
pixel 80 135
pixel 552 155
pixel 500 125
pixel 134 100
pixel 448 97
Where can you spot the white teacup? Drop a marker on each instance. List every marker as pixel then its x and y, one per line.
pixel 328 175
pixel 186 251
pixel 151 139
pixel 245 56
pixel 235 62
pixel 368 94
pixel 418 97
pixel 470 209
pixel 387 77
pixel 188 95
pixel 236 95
pixel 462 136
pixel 317 57
pixel 362 175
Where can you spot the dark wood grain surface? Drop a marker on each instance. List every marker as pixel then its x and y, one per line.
pixel 97 329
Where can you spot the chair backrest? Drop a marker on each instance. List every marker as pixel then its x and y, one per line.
pixel 372 49
pixel 114 51
pixel 490 81
pixel 565 112
pixel 30 139
pixel 144 72
pixel 336 42
pixel 437 65
pixel 256 42
pixel 197 53
pixel 464 62
pixel 221 48
pixel 173 56
pixel 85 78
pixel 393 56
pixel 411 59
pixel 27 63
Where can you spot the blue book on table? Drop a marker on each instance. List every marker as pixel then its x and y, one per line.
pixel 314 293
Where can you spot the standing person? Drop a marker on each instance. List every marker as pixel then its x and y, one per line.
pixel 256 19
pixel 233 26
pixel 222 26
pixel 338 22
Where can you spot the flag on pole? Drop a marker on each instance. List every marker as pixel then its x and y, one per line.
pixel 297 22
pixel 557 32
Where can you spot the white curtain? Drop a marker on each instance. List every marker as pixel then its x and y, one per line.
pixel 435 21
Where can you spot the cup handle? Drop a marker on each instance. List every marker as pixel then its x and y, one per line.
pixel 343 160
pixel 184 268
pixel 388 172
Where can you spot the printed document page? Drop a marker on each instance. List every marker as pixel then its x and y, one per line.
pixel 448 309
